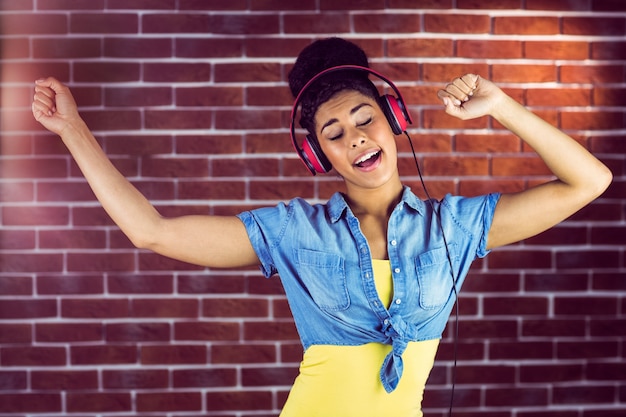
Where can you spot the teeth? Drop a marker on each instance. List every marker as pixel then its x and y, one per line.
pixel 366 157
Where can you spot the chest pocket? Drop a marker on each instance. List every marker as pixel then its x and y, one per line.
pixel 434 277
pixel 324 276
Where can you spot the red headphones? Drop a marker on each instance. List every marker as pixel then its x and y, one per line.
pixel 393 108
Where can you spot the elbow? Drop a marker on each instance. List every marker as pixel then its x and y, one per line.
pixel 600 182
pixel 604 181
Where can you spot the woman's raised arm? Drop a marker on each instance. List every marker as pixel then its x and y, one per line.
pixel 214 241
pixel 580 177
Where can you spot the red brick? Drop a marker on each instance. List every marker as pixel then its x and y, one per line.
pixel 587 259
pixel 583 395
pixel 169 401
pixel 173 354
pixel 505 73
pixel 260 377
pixel 198 284
pixel 268 96
pixel 593 26
pixel 274 330
pixel 609 96
pixel 591 74
pixel 30 403
pixel 66 48
pixel 13 380
pixel 420 48
pixel 78 239
pixel 242 24
pixel 135 379
pixel 107 308
pixel 141 4
pixel 481 49
pixel 100 261
pixel 283 190
pixel 98 402
pixel 164 72
pixel 208 144
pixel 279 5
pixel 608 50
pixel 485 374
pixel 386 23
pixel 106 72
pixel 15 333
pixel 555 282
pixel 556 50
pixel 558 97
pixel 243 353
pixel 34 356
pixel 64 380
pixel 520 350
pixel 235 307
pixel 138 96
pixel 204 378
pixel 68 332
pixel 608 281
pixel 526 25
pixel 131 47
pixel 35 23
pixel 456 166
pixel 321 22
pixel 113 120
pixel 350 5
pixel 208 47
pixel 511 397
pixel 585 306
pixel 178 119
pixel 140 284
pixel 175 168
pixel 173 307
pixel 268 47
pixel 526 259
pixel 518 306
pixel 553 328
pixel 137 332
pixel 239 400
pixel 250 168
pixel 212 331
pixel 28 308
pixel 456 23
pixel 209 96
pixel 110 354
pixel 17 240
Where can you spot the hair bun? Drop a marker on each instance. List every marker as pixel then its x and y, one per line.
pixel 321 55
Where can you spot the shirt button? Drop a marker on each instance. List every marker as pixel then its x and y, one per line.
pixel 393 242
pixel 386 321
pixel 397 270
pixel 398 301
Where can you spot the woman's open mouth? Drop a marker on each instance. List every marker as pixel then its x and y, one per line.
pixel 368 160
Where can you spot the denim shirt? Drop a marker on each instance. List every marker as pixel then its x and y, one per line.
pixel 325 265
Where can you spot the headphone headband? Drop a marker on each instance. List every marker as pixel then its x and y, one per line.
pixel 314 159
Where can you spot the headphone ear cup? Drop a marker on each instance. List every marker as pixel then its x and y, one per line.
pixel 395 113
pixel 313 156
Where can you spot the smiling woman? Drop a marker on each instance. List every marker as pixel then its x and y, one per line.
pixel 371 275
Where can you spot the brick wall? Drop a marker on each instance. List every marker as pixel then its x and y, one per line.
pixel 189 100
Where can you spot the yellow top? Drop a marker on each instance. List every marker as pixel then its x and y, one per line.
pixel 344 381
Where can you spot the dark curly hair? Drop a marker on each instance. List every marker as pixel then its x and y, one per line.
pixel 319 56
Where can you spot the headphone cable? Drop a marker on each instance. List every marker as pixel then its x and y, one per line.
pixel 456 295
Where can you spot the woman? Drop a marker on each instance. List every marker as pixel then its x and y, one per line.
pixel 371 275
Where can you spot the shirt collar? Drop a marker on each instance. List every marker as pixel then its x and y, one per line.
pixel 337 204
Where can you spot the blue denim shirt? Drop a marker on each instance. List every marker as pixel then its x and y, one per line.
pixel 325 265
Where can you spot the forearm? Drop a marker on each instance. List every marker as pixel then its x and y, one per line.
pixel 128 208
pixel 570 162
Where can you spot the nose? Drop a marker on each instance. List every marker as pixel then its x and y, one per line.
pixel 358 142
pixel 357 138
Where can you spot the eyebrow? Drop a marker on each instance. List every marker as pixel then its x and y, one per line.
pixel 354 110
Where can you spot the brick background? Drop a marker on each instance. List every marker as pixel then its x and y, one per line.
pixel 189 99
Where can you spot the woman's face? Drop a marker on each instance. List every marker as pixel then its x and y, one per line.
pixel 356 138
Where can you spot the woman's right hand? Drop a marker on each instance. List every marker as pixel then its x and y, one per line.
pixel 53 105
